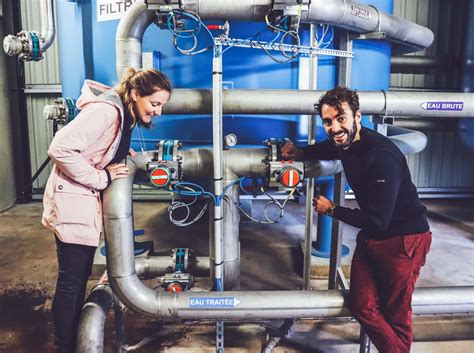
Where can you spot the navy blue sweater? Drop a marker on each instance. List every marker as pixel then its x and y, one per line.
pixel 378 174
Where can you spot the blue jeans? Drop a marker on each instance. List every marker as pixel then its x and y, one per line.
pixel 74 267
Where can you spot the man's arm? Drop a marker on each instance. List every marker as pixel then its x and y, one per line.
pixel 324 150
pixel 383 183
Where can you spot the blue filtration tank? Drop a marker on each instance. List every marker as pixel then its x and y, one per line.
pixel 87 50
pixel 90 53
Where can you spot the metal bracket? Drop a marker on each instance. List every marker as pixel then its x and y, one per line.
pixel 341 278
pixel 383 120
pixel 368 36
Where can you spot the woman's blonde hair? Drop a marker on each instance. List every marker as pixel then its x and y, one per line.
pixel 146 82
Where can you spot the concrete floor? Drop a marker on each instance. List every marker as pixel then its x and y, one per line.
pixel 271 259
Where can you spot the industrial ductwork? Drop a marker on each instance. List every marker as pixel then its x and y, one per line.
pixel 407 36
pixel 301 102
pixel 230 305
pixel 31 45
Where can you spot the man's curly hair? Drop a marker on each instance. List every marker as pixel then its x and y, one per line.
pixel 336 97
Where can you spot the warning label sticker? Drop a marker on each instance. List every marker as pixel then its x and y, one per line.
pixel 360 12
pixel 108 10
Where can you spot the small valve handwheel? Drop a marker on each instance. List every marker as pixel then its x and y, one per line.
pixel 160 176
pixel 289 177
pixel 175 288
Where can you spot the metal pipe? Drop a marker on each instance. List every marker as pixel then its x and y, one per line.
pixel 90 336
pixel 309 210
pixel 230 305
pixel 422 63
pixel 301 102
pixel 152 266
pixel 129 36
pixel 407 36
pixel 356 17
pixel 231 243
pixel 30 45
pixel 242 10
pixel 48 29
pixel 408 141
pixel 218 169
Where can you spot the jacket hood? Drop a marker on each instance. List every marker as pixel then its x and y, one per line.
pixel 93 92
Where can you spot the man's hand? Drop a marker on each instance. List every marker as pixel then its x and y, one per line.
pixel 322 204
pixel 131 152
pixel 290 151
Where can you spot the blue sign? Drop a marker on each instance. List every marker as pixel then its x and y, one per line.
pixel 214 302
pixel 443 106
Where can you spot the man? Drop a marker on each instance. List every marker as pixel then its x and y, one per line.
pixel 394 237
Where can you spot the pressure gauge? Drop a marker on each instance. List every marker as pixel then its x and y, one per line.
pixel 230 140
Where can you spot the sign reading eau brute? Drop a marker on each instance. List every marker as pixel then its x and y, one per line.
pixel 108 10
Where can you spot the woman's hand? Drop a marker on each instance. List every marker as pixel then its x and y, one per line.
pixel 131 152
pixel 118 171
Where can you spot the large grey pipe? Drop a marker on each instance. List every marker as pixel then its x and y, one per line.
pixel 90 336
pixel 129 36
pixel 408 141
pixel 345 14
pixel 302 102
pixel 230 305
pixel 339 13
pixel 406 35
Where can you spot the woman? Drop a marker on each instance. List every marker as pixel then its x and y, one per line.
pixel 86 155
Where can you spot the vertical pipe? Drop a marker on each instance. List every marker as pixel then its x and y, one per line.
pixel 344 79
pixel 217 145
pixel 231 244
pixel 48 29
pixel 313 64
pixel 217 160
pixel 323 241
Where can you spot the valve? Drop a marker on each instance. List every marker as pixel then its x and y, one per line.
pixel 166 167
pixel 160 176
pixel 225 28
pixel 62 111
pixel 281 172
pixel 289 176
pixel 26 44
pixel 178 280
pixel 181 259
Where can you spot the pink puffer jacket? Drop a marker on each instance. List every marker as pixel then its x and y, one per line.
pixel 80 152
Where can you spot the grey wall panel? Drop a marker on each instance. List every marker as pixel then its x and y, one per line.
pixel 42 75
pixel 446 161
pixel 46 71
pixel 40 134
pixel 447 19
pixel 7 167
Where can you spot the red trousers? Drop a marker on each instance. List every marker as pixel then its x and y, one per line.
pixel 383 276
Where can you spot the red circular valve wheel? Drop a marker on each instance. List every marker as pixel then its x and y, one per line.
pixel 160 177
pixel 175 288
pixel 289 177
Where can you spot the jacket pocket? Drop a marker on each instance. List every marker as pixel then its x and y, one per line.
pixel 74 203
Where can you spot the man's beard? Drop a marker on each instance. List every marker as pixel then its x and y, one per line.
pixel 351 134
